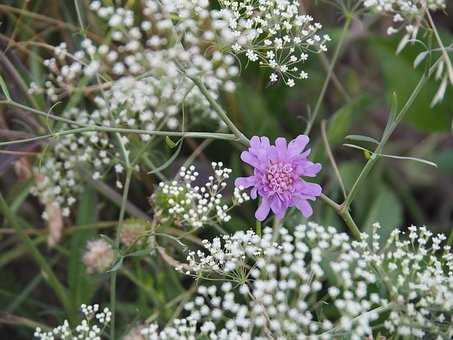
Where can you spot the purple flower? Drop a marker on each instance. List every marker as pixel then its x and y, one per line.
pixel 277 175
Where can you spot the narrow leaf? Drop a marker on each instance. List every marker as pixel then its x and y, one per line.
pixel 4 88
pixel 422 56
pixel 357 147
pixel 440 94
pixel 170 143
pixel 393 109
pixel 424 161
pixel 402 44
pixel 362 138
pixel 142 252
pixel 81 285
pixel 117 265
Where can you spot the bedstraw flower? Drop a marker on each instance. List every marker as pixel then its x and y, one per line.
pixel 277 175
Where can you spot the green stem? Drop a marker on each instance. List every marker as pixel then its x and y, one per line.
pixel 387 133
pixel 49 275
pixel 332 158
pixel 441 46
pixel 258 228
pixel 113 278
pixel 349 221
pixel 450 238
pixel 330 202
pixel 202 135
pixel 222 114
pixel 345 216
pixel 39 112
pixel 333 62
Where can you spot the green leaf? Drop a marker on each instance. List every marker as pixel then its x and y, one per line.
pixel 400 77
pixel 423 161
pixel 170 143
pixel 353 146
pixel 107 239
pixel 142 252
pixel 422 56
pixel 362 138
pixel 81 285
pixel 116 265
pixel 4 88
pixel 402 44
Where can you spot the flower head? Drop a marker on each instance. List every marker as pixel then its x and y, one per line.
pixel 277 175
pixel 98 256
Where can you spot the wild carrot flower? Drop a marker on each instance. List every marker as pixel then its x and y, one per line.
pixel 91 327
pixel 186 204
pixel 277 175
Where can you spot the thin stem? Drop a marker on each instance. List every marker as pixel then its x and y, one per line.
pixel 218 109
pixel 202 135
pixel 330 73
pixel 113 278
pixel 349 221
pixel 258 228
pixel 387 133
pixel 345 216
pixel 335 81
pixel 331 157
pixel 79 17
pixel 441 45
pixel 276 228
pixel 40 113
pixel 330 202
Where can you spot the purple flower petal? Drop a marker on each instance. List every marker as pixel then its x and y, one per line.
pixel 263 210
pixel 304 207
pixel 311 189
pixel 278 208
pixel 309 169
pixel 281 147
pixel 245 182
pixel 250 158
pixel 297 145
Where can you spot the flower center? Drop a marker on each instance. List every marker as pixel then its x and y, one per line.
pixel 279 177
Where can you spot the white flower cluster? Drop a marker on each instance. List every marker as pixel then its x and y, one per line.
pixel 58 175
pixel 316 283
pixel 193 205
pixel 419 271
pixel 275 34
pixel 408 15
pixel 135 83
pixel 91 328
pixel 143 66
